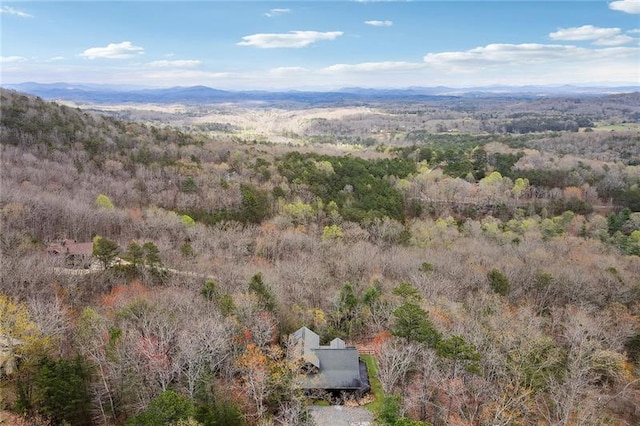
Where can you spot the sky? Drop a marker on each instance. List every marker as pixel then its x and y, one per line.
pixel 273 45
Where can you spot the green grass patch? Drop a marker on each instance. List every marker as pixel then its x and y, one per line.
pixel 322 403
pixel 376 386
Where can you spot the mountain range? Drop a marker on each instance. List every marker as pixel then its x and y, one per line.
pixel 108 94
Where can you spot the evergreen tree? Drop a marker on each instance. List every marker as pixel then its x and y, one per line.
pixel 167 408
pixel 498 282
pixel 62 392
pixel 413 323
pixel 264 293
pixel 105 250
pixel 255 205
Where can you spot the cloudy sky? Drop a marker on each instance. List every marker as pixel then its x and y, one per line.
pixel 321 44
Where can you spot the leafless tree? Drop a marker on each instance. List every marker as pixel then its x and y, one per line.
pixel 396 361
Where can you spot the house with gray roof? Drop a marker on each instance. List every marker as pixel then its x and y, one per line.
pixel 72 253
pixel 336 367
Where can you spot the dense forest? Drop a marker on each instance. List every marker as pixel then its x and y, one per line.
pixel 493 271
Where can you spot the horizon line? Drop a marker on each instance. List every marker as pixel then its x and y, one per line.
pixel 129 86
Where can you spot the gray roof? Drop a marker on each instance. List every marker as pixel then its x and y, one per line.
pixel 338 364
pixel 305 341
pixel 339 369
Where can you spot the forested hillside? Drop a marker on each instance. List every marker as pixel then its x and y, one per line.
pixel 494 276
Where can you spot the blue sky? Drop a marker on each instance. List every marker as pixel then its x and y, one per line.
pixel 321 44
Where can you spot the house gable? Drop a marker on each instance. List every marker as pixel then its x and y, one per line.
pixel 305 342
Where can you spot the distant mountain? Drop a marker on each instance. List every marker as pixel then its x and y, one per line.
pixel 105 94
pixel 498 90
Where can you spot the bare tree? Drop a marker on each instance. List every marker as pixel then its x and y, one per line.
pixel 396 361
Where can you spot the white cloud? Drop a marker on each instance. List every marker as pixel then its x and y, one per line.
pixel 367 67
pixel 11 59
pixel 526 53
pixel 597 35
pixel 287 70
pixel 585 32
pixel 636 31
pixel 379 23
pixel 113 51
pixel 275 12
pixel 537 64
pixel 292 39
pixel 627 6
pixel 614 41
pixel 11 11
pixel 185 63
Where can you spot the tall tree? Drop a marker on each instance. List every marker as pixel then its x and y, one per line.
pixel 264 293
pixel 105 250
pixel 62 392
pixel 413 323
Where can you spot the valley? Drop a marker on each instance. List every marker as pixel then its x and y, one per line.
pixel 485 249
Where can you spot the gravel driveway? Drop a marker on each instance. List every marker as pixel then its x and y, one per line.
pixel 338 415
